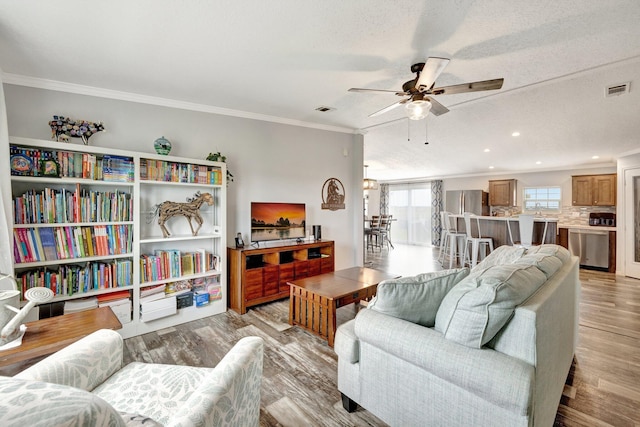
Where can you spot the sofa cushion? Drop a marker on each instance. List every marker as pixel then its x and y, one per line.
pixel 35 403
pixel 558 251
pixel 504 254
pixel 417 298
pixel 477 308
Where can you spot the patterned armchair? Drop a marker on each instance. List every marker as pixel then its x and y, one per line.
pixel 86 384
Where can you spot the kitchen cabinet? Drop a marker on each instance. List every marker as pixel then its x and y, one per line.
pixel 502 192
pixel 594 190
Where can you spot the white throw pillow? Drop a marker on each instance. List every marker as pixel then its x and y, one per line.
pixel 416 299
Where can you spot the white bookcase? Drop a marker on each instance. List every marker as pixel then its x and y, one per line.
pixel 134 232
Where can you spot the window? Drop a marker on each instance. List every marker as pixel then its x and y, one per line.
pixel 410 205
pixel 542 199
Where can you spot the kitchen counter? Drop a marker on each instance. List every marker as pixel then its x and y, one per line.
pixel 563 239
pixel 496 228
pixel 587 227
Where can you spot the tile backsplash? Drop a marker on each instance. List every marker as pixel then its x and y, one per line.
pixel 569 215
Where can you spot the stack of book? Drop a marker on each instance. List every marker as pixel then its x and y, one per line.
pixel 120 303
pixel 82 304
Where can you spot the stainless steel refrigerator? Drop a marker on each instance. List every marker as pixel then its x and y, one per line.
pixel 461 201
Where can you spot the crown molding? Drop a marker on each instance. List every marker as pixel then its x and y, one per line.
pixel 56 85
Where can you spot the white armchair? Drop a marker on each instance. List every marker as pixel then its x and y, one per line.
pixel 86 384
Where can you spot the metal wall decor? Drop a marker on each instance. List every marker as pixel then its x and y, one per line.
pixel 333 194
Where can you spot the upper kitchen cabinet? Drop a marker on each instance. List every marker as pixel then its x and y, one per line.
pixel 502 192
pixel 594 190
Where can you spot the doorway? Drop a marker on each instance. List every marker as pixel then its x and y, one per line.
pixel 632 222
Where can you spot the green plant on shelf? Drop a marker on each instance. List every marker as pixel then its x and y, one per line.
pixel 218 157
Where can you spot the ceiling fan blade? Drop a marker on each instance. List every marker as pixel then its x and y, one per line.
pixel 436 108
pixel 468 87
pixel 390 107
pixel 357 89
pixel 430 72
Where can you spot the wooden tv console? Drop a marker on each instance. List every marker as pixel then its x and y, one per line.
pixel 259 275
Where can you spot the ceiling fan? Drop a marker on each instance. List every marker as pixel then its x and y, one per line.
pixel 417 90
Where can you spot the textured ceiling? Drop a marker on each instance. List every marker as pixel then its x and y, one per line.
pixel 285 58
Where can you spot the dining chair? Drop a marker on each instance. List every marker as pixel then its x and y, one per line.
pixel 370 232
pixel 382 233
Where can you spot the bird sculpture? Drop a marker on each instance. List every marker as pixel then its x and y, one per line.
pixel 64 127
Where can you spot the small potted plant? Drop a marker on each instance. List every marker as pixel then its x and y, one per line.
pixel 218 157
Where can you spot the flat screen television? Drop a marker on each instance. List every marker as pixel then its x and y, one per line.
pixel 277 221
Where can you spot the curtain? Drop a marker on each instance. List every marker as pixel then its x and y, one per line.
pixel 6 220
pixel 384 199
pixel 436 208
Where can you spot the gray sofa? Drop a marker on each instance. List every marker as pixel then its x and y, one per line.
pixel 486 347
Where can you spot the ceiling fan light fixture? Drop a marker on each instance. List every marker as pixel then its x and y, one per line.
pixel 418 110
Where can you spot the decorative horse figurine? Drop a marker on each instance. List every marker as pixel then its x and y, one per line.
pixel 190 210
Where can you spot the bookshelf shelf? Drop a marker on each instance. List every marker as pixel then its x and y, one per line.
pixel 111 194
pixel 70 224
pixel 158 239
pixel 184 277
pixel 31 180
pixel 92 293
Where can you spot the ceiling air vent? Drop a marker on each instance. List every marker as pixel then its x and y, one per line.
pixel 324 109
pixel 616 90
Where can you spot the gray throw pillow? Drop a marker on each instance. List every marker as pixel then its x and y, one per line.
pixel 416 299
pixel 475 310
pixel 501 255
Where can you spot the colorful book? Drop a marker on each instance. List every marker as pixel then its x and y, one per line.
pixel 48 240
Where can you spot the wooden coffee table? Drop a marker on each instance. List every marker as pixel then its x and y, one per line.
pixel 46 336
pixel 314 300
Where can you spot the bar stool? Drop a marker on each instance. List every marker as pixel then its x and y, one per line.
pixel 475 242
pixel 451 237
pixel 525 225
pixel 443 234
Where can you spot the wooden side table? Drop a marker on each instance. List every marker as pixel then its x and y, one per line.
pixel 46 336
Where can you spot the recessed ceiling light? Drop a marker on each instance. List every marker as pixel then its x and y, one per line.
pixel 515 134
pixel 490 167
pixel 538 162
pixel 486 150
pixel 595 157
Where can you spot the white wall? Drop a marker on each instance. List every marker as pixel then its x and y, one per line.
pixel 270 161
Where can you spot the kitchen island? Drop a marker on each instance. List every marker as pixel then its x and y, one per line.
pixel 496 228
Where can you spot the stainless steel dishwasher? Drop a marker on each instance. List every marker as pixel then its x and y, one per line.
pixel 591 246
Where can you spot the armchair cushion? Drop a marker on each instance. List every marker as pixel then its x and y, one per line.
pixel 41 404
pixel 174 395
pixel 85 364
pixel 417 298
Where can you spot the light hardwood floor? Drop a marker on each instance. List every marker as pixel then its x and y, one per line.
pixel 299 382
